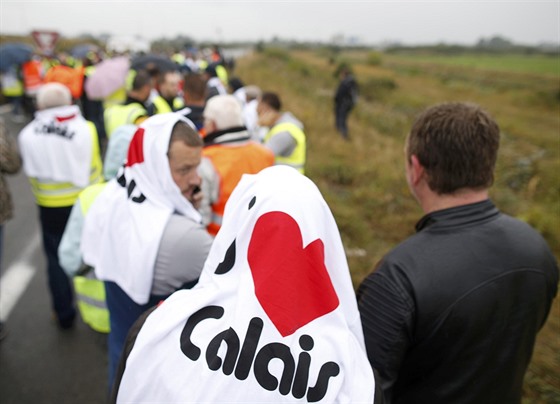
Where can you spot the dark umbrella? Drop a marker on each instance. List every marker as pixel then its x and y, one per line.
pixel 147 62
pixel 81 51
pixel 14 54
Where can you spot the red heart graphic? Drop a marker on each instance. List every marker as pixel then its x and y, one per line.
pixel 292 283
pixel 136 148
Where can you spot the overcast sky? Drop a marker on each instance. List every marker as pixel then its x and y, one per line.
pixel 373 22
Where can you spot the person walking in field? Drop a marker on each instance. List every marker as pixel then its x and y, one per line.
pixel 452 313
pixel 344 100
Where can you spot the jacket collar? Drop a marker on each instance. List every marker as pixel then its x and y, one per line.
pixel 219 136
pixel 459 215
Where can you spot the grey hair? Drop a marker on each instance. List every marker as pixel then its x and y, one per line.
pixel 52 95
pixel 225 111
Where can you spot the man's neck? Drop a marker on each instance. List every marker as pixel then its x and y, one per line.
pixel 434 202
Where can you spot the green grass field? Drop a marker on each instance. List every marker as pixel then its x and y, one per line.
pixel 363 180
pixel 548 65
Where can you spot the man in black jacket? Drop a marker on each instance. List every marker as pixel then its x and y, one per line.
pixel 452 313
pixel 344 100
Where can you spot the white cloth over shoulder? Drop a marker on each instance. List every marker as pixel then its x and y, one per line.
pixel 57 146
pixel 125 224
pixel 273 318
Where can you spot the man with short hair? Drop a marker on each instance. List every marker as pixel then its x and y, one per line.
pixel 285 138
pixel 143 234
pixel 167 98
pixel 133 111
pixel 229 153
pixel 214 86
pixel 60 152
pixel 451 314
pixel 194 95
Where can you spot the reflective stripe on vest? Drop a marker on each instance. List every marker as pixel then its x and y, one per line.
pixel 90 294
pixel 51 194
pixel 119 115
pixel 231 162
pixel 297 158
pixel 12 87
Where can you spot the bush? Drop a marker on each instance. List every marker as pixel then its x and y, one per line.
pixel 373 59
pixel 376 88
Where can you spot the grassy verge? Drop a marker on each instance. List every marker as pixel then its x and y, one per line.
pixel 363 180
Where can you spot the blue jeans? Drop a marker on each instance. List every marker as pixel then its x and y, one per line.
pixel 53 221
pixel 123 312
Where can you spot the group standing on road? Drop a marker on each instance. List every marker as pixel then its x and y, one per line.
pixel 220 269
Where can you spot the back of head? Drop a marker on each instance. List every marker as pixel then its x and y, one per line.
pixel 235 84
pixel 194 86
pixel 141 79
pixel 53 95
pixel 211 70
pixel 183 132
pixel 272 100
pixel 252 92
pixel 457 144
pixel 225 111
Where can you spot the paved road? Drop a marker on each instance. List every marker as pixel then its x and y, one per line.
pixel 39 363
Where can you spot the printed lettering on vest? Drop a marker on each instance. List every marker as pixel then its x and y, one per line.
pixel 240 357
pixel 139 198
pixel 53 129
pixel 279 263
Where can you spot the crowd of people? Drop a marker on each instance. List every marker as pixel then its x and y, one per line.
pixel 183 202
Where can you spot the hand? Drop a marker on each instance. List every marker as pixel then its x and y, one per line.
pixel 196 199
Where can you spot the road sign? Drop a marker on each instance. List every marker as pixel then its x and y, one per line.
pixel 46 40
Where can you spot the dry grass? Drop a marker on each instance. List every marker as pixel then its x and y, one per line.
pixel 363 180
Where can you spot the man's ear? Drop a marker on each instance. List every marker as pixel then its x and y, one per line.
pixel 416 169
pixel 211 126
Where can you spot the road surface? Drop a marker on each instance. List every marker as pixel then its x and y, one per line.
pixel 39 363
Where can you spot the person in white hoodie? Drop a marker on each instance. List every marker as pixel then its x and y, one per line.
pixel 143 233
pixel 273 318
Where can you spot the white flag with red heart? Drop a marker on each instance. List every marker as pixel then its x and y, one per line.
pixel 274 316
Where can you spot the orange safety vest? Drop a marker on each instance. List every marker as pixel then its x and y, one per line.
pixel 73 78
pixel 231 162
pixel 32 79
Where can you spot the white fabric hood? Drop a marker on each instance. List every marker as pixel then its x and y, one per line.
pixel 274 316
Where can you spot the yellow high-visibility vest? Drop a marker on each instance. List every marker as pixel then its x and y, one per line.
pixel 297 158
pixel 162 106
pixel 90 292
pixel 119 115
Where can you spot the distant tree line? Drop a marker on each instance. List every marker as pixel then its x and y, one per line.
pixel 495 44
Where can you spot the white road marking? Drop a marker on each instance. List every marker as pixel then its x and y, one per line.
pixel 17 276
pixel 4 109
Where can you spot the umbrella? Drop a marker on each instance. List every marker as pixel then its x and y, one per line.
pixel 81 51
pixel 14 54
pixel 108 77
pixel 148 61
